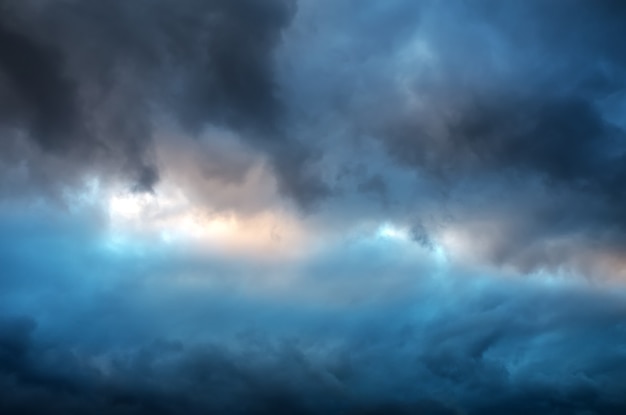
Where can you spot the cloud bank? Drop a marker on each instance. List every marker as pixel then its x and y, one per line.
pixel 312 207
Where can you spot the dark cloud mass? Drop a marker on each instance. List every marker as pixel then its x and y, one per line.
pixel 92 328
pixel 481 98
pixel 475 360
pixel 312 207
pixel 91 77
pixel 35 74
pixel 472 359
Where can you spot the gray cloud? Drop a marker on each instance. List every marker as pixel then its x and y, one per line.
pixel 492 133
pixel 90 82
pixel 518 106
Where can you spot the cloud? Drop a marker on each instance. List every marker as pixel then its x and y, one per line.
pixel 321 207
pixel 484 103
pixel 90 83
pixel 471 357
pixel 34 72
pixel 364 325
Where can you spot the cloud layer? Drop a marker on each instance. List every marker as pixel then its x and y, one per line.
pixel 312 207
pixel 379 326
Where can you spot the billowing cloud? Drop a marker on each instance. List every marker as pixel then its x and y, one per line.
pixel 93 82
pixel 312 207
pixel 515 108
pixel 364 329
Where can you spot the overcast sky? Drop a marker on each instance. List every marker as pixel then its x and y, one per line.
pixel 242 207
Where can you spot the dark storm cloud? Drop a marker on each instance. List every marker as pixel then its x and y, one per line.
pixel 89 328
pixel 563 139
pixel 90 81
pixel 492 354
pixel 532 87
pixel 544 113
pixel 563 142
pixel 503 120
pixel 519 105
pixel 34 72
pixel 549 118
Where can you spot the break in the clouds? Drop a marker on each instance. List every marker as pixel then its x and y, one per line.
pixel 312 207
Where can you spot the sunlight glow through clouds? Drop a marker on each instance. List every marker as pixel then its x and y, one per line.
pixel 170 218
pixel 127 206
pixel 390 231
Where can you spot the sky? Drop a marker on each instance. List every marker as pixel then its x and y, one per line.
pixel 338 207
